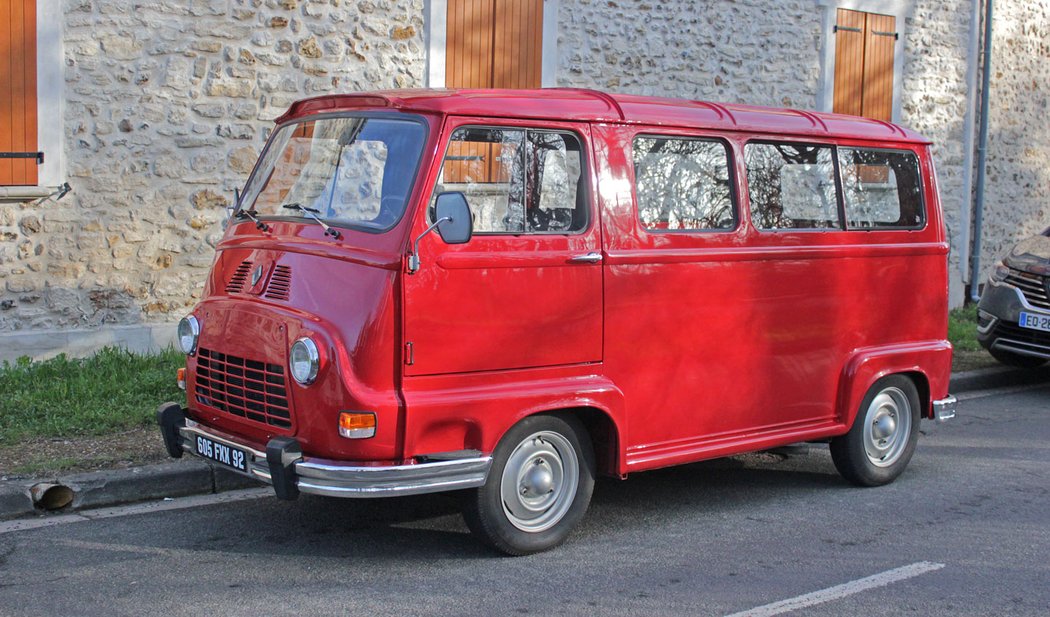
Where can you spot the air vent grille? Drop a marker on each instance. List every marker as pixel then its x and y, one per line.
pixel 240 276
pixel 280 283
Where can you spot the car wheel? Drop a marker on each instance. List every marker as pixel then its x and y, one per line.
pixel 883 436
pixel 538 488
pixel 1016 359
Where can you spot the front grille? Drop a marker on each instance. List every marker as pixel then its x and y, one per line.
pixel 280 283
pixel 1023 338
pixel 240 275
pixel 246 388
pixel 1031 285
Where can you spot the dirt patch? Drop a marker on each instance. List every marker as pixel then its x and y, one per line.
pixel 970 360
pixel 44 457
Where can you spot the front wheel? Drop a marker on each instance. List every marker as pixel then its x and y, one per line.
pixel 538 488
pixel 883 436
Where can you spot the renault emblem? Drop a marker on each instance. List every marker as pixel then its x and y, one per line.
pixel 256 275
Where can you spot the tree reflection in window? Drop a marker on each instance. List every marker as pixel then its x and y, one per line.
pixel 881 188
pixel 517 181
pixel 792 186
pixel 683 184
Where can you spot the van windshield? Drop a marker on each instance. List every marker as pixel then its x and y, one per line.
pixel 352 171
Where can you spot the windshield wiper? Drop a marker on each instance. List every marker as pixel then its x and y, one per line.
pixel 261 226
pixel 312 213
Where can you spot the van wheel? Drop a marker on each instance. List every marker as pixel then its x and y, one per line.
pixel 882 440
pixel 1016 359
pixel 538 488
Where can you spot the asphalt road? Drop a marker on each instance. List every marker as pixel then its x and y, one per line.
pixel 965 531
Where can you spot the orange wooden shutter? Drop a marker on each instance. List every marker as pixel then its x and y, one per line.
pixel 864 48
pixel 879 41
pixel 18 91
pixel 849 62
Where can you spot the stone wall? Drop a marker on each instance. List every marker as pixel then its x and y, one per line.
pixel 934 102
pixel 167 105
pixel 1017 199
pixel 750 51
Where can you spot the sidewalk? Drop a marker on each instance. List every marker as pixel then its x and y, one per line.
pixel 192 476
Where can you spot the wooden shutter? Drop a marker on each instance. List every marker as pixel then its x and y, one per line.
pixel 864 48
pixel 879 40
pixel 494 44
pixel 849 62
pixel 18 91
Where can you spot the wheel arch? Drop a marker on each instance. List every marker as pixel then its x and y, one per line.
pixel 926 364
pixel 603 433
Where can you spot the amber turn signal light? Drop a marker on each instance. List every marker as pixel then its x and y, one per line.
pixel 180 378
pixel 357 424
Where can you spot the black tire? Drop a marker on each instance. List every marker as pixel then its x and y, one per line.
pixel 557 499
pixel 882 427
pixel 1015 359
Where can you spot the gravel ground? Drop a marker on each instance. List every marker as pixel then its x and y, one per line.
pixel 40 457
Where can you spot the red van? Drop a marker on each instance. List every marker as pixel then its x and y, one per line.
pixel 509 292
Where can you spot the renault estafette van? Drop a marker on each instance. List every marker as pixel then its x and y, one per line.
pixel 510 292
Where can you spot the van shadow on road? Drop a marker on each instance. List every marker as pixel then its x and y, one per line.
pixel 430 526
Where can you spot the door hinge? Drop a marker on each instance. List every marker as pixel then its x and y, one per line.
pixel 410 357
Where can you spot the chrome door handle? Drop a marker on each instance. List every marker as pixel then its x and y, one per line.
pixel 594 257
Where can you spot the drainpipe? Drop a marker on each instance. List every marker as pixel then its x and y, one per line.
pixel 961 241
pixel 982 155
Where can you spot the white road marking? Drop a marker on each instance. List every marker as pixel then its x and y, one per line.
pixel 841 591
pixel 139 508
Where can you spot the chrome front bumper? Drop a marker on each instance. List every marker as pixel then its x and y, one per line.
pixel 289 472
pixel 944 409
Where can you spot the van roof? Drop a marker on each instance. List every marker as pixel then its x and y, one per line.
pixel 595 106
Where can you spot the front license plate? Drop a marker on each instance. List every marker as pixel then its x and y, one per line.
pixel 222 453
pixel 1034 322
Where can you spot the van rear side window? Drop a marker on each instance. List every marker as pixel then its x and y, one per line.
pixel 792 186
pixel 683 184
pixel 881 189
pixel 517 181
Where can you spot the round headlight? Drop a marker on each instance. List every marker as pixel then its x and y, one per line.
pixel 188 332
pixel 305 361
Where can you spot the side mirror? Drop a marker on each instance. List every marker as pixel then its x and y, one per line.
pixel 455 224
pixel 452 220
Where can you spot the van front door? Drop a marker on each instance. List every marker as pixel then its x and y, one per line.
pixel 526 290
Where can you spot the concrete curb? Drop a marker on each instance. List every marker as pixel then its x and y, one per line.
pixel 99 489
pixel 195 477
pixel 997 377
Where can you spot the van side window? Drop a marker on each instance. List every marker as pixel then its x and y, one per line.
pixel 517 181
pixel 792 186
pixel 683 183
pixel 881 188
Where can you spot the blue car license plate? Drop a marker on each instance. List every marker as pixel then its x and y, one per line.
pixel 234 458
pixel 1034 322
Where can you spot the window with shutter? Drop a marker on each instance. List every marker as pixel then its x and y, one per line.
pixel 490 44
pixel 18 103
pixel 864 47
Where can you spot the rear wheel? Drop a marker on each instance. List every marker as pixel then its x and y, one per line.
pixel 883 436
pixel 538 488
pixel 1016 359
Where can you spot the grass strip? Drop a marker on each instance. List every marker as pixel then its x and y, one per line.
pixel 110 391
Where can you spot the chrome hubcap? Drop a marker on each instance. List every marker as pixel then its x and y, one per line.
pixel 887 426
pixel 539 483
